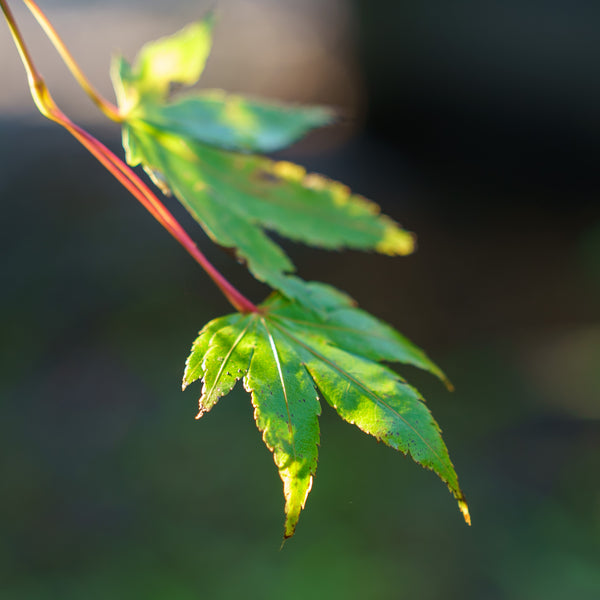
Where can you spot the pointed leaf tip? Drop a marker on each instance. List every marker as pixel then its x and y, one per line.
pixel 177 58
pixel 464 509
pixel 396 241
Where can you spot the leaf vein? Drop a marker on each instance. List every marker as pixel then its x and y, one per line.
pixel 226 359
pixel 282 380
pixel 369 392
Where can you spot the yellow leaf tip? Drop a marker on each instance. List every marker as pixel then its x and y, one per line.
pixel 464 509
pixel 396 242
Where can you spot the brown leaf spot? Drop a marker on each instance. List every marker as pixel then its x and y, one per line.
pixel 266 177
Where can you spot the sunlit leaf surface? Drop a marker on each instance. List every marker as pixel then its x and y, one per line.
pixel 290 357
pixel 199 147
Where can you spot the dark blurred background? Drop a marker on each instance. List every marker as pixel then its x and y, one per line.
pixel 474 123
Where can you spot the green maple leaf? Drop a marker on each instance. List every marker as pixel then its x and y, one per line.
pixel 289 357
pixel 199 147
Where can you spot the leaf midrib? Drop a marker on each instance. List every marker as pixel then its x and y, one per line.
pixel 229 353
pixel 282 381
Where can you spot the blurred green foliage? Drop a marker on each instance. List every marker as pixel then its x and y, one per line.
pixel 110 488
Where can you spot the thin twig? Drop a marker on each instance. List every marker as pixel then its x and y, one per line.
pixel 108 108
